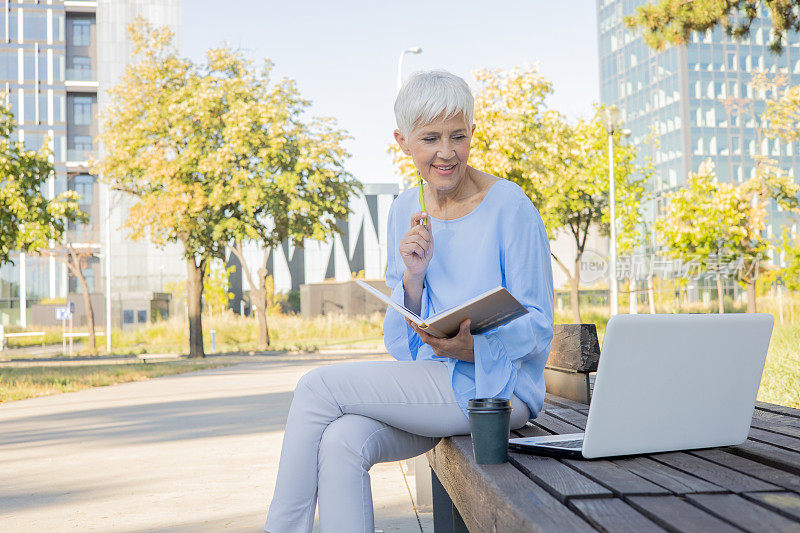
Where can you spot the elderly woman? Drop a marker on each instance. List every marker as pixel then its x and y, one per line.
pixel 478 232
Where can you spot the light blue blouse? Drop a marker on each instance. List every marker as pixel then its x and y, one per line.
pixel 501 242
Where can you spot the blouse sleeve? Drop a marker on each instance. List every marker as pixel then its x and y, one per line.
pixel 525 260
pixel 401 341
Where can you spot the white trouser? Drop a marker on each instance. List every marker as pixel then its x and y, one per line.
pixel 346 417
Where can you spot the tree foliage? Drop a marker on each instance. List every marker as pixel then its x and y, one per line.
pixel 716 224
pixel 780 120
pixel 28 219
pixel 667 22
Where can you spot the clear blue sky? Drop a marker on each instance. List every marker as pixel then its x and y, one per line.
pixel 343 54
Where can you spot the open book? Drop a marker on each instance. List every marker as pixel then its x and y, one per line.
pixel 486 311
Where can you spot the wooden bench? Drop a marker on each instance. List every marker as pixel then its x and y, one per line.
pixel 751 487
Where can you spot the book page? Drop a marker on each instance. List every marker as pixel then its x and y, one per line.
pixel 388 301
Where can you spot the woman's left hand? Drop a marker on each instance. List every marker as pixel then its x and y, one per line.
pixel 459 347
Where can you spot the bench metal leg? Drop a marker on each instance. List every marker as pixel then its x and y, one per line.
pixel 446 518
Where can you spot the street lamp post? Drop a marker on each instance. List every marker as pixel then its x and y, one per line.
pixel 414 50
pixel 611 117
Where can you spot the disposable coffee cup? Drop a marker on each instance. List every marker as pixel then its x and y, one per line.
pixel 489 421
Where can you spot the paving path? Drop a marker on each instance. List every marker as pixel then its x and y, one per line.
pixel 191 452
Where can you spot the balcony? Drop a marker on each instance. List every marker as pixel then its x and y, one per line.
pixel 81 78
pixel 79 158
pixel 81 74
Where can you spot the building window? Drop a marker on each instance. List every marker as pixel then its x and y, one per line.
pixel 8 65
pixel 34 25
pixel 141 317
pixel 59 108
pixel 83 142
pixel 127 316
pixel 82 63
pixel 88 275
pixel 82 110
pixel 58 26
pixel 84 185
pixel 29 61
pixel 34 141
pixel 81 32
pixel 81 68
pixel 12 25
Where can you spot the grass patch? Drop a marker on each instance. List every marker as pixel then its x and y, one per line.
pixel 780 383
pixel 28 382
pixel 236 334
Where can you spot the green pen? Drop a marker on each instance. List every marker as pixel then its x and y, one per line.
pixel 421 199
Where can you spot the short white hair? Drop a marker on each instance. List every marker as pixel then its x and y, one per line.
pixel 431 94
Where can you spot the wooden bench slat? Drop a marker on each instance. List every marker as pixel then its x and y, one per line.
pixel 555 477
pixel 715 473
pixel 675 514
pixel 497 497
pixel 554 425
pixel 673 480
pixel 743 513
pixel 752 468
pixel 774 420
pixel 571 416
pixel 779 409
pixel 786 503
pixel 613 514
pixel 770 455
pixel 621 481
pixel 530 430
pixel 776 439
pixel 558 401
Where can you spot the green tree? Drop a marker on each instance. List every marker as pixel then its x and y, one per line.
pixel 215 153
pixel 717 224
pixel 76 257
pixel 295 189
pixel 779 121
pixel 672 21
pixel 28 219
pixel 161 149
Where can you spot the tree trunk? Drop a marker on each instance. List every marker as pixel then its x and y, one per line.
pixel 261 314
pixel 719 294
pixel 194 297
pixel 751 297
pixel 87 301
pixel 261 295
pixel 632 307
pixel 651 297
pixel 258 295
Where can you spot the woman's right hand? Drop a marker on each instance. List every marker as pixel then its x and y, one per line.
pixel 416 246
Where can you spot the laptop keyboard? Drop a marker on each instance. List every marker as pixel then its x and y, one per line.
pixel 571 444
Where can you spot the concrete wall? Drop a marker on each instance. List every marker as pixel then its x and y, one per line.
pixel 345 297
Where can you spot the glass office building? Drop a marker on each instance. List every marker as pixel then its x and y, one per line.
pixel 57 58
pixel 680 94
pixel 696 100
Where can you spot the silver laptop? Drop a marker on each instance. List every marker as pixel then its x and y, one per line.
pixel 669 382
